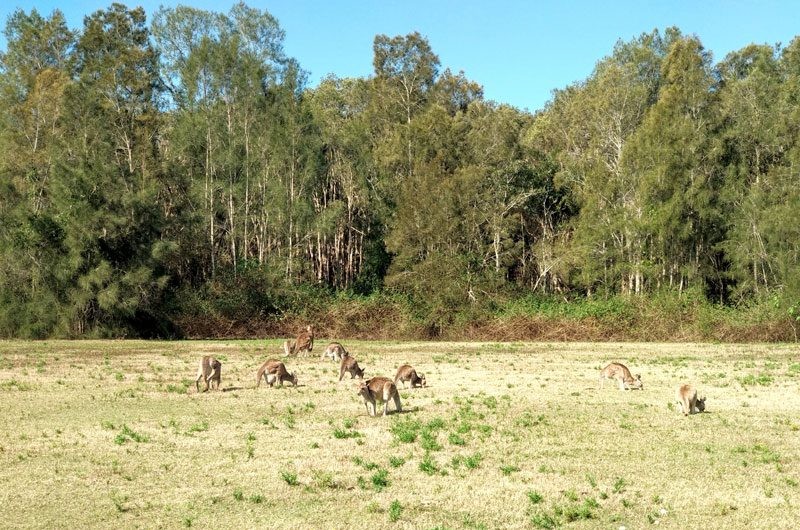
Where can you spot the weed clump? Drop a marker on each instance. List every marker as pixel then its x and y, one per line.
pixel 128 434
pixel 290 478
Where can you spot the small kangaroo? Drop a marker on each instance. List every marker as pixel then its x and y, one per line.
pixel 379 389
pixel 408 373
pixel 686 395
pixel 349 364
pixel 623 376
pixel 274 371
pixel 334 351
pixel 210 370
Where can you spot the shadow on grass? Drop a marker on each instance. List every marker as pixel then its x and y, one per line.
pixel 394 412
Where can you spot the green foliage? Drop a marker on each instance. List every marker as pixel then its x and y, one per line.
pixel 752 380
pixel 198 427
pixel 534 497
pixel 455 439
pixel 406 431
pixel 344 433
pixel 128 434
pixel 182 179
pixel 508 470
pixel 395 510
pixel 473 461
pixel 543 520
pixel 617 308
pixel 428 465
pixel 380 479
pixel 290 478
pixel 396 461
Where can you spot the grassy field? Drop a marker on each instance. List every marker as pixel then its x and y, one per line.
pixel 507 435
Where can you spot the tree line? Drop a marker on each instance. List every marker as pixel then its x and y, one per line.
pixel 182 165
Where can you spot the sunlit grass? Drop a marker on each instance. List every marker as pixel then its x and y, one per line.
pixel 113 434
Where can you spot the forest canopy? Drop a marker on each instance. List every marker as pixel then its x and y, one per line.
pixel 161 173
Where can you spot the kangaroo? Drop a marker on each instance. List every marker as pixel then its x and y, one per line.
pixel 334 351
pixel 349 364
pixel 407 373
pixel 623 376
pixel 274 371
pixel 379 389
pixel 304 342
pixel 686 395
pixel 210 370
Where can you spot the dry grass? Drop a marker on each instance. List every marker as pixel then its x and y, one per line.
pixel 507 435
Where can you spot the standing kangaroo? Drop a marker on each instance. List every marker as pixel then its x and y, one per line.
pixel 210 371
pixel 304 342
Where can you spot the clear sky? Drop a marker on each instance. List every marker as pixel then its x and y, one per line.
pixel 518 50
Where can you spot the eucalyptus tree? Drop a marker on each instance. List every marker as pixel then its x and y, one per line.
pixel 498 181
pixel 34 73
pixel 587 129
pixel 759 101
pixel 753 154
pixel 406 70
pixel 672 155
pixel 219 69
pixel 787 233
pixel 434 259
pixel 347 215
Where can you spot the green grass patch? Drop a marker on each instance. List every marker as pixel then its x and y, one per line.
pixel 127 434
pixel 290 478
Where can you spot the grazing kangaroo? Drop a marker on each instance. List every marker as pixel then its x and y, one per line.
pixel 274 371
pixel 623 376
pixel 686 395
pixel 349 364
pixel 334 351
pixel 407 373
pixel 379 389
pixel 210 370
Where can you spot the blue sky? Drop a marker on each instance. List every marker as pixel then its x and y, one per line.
pixel 518 50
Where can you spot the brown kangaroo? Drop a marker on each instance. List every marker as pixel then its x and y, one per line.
pixel 379 389
pixel 623 376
